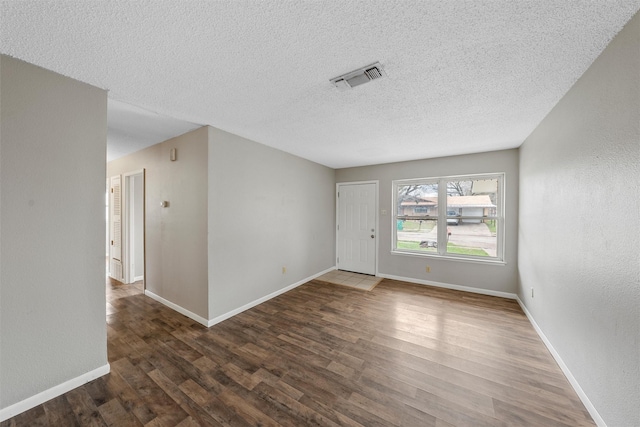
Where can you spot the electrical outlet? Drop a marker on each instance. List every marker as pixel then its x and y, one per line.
pixel 428 269
pixel 284 270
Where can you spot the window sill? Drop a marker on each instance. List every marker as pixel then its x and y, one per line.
pixel 488 261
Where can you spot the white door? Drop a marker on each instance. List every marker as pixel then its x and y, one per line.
pixel 133 226
pixel 115 229
pixel 357 234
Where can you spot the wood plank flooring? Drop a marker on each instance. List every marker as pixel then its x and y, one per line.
pixel 323 355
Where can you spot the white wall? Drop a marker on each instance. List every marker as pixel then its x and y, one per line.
pixel 499 278
pixel 176 236
pixel 579 229
pixel 267 210
pixel 52 266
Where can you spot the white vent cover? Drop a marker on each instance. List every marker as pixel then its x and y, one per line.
pixel 359 76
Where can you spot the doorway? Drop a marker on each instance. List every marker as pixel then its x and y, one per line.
pixel 134 226
pixel 127 227
pixel 357 228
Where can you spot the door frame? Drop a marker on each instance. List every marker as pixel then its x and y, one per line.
pixel 377 218
pixel 127 228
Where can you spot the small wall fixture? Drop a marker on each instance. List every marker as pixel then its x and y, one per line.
pixel 173 155
pixel 164 204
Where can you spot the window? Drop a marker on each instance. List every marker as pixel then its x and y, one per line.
pixel 469 207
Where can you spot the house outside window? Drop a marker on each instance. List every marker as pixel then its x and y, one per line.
pixel 452 217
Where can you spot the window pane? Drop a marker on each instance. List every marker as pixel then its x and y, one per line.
pixel 417 235
pixel 417 200
pixel 417 212
pixel 471 217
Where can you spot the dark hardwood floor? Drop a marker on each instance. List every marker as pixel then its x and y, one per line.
pixel 326 355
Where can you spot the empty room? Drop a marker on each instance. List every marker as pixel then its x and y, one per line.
pixel 292 213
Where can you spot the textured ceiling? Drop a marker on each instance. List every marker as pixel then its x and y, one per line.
pixel 130 128
pixel 462 76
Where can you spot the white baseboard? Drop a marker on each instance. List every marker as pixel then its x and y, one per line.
pixel 265 298
pixel 176 307
pixel 53 392
pixel 450 286
pixel 572 380
pixel 136 278
pixel 567 373
pixel 209 323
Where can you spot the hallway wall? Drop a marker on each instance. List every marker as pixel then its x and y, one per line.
pixel 52 166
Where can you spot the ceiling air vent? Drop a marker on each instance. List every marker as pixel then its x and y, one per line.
pixel 358 77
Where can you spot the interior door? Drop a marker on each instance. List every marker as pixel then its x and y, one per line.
pixel 357 234
pixel 115 229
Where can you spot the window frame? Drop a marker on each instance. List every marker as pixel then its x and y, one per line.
pixel 442 217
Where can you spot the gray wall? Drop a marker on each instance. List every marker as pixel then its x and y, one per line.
pixel 176 236
pixel 500 278
pixel 579 216
pixel 52 266
pixel 267 210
